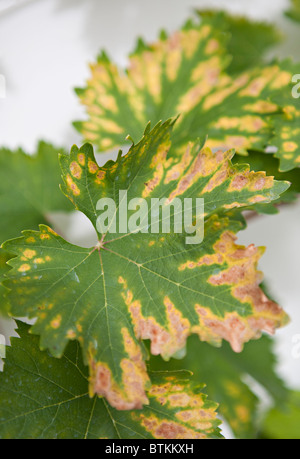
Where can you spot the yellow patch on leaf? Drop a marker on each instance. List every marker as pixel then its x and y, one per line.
pixel 29 253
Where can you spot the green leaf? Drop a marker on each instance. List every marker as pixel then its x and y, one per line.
pixel 282 422
pixel 4 268
pixel 294 11
pixel 134 286
pixel 225 373
pixel 248 40
pixel 28 189
pixel 46 398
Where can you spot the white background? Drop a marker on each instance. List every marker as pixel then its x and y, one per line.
pixel 45 47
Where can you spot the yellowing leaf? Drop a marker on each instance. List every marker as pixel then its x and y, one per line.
pixel 46 398
pixel 229 377
pixel 260 161
pixel 139 285
pixel 287 126
pixel 185 74
pixel 168 77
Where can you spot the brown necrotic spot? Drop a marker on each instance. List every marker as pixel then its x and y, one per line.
pixel 133 350
pixel 75 169
pixel 148 328
pixel 166 429
pixel 170 430
pixel 239 182
pixel 179 327
pixel 44 236
pixel 181 400
pixel 241 274
pixel 93 167
pixel 165 340
pixel 99 176
pixel 207 260
pixel 257 198
pixel 176 170
pixel 212 46
pixel 203 165
pixel 81 159
pixel 157 164
pixel 130 396
pixel 72 186
pixel 56 322
pixel 218 178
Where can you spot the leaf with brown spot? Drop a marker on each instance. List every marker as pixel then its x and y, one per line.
pixel 29 193
pixel 137 286
pixel 186 75
pixel 229 378
pixel 186 66
pixel 287 125
pixel 260 161
pixel 177 407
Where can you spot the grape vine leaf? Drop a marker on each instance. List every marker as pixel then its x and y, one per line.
pixel 287 125
pixel 226 373
pixel 4 257
pixel 46 398
pixel 164 79
pixel 260 161
pixel 185 74
pixel 248 40
pixel 29 189
pixel 282 422
pixel 294 11
pixel 136 286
